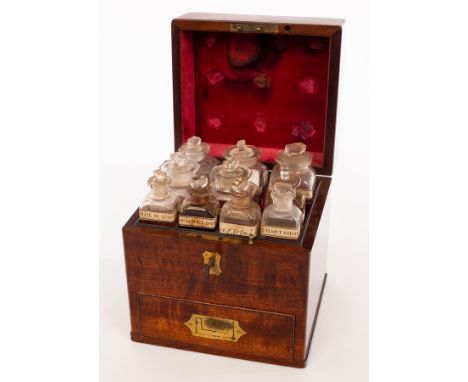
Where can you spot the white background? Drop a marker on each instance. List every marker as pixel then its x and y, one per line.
pixel 137 135
pixel 49 197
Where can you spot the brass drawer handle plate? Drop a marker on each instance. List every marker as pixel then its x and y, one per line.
pixel 215 328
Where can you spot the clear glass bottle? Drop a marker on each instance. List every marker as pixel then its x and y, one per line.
pixel 160 205
pixel 285 177
pixel 198 151
pixel 248 156
pixel 282 219
pixel 241 215
pixel 298 161
pixel 201 208
pixel 181 170
pixel 223 177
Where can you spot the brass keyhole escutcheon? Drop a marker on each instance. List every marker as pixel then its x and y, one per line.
pixel 211 264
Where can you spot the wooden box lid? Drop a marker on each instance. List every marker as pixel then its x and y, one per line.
pixel 268 80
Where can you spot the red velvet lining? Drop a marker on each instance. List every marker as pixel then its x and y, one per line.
pixel 270 96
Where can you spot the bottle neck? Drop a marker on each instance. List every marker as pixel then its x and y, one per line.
pixel 200 199
pixel 283 204
pixel 159 192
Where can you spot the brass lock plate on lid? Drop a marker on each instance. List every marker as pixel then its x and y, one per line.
pixel 254 27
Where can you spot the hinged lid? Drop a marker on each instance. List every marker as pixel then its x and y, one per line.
pixel 269 81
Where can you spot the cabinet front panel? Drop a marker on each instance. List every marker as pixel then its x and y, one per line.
pixel 171 264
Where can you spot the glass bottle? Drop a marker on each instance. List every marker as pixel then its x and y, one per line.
pixel 198 151
pixel 241 215
pixel 282 219
pixel 285 177
pixel 224 176
pixel 159 205
pixel 248 156
pixel 181 170
pixel 200 209
pixel 298 161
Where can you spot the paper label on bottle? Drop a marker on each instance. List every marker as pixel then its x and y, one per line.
pixel 306 194
pixel 255 177
pixel 280 232
pixel 238 229
pixel 196 221
pixel 167 217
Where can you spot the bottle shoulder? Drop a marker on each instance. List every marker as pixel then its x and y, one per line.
pixel 211 203
pixel 251 212
pixel 293 212
pixel 160 205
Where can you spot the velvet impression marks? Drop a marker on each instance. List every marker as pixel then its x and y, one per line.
pixel 303 130
pixel 273 87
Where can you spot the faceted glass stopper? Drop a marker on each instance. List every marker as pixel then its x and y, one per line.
pixel 294 155
pixel 194 148
pixel 179 163
pixel 159 178
pixel 159 183
pixel 247 154
pixel 295 148
pixel 194 141
pixel 231 168
pixel 178 158
pixel 199 183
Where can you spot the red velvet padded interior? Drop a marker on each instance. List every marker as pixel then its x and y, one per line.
pixel 269 90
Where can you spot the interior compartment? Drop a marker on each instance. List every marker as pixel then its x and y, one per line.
pixel 267 89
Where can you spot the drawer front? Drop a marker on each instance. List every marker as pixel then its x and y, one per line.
pixel 241 275
pixel 241 331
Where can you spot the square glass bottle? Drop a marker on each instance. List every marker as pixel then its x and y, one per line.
pixel 282 219
pixel 241 215
pixel 201 208
pixel 159 206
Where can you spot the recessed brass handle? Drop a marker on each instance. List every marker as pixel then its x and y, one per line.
pixel 215 328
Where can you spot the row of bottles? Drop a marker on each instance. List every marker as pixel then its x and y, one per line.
pixel 193 190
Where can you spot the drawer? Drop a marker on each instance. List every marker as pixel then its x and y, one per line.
pixel 217 327
pixel 251 276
